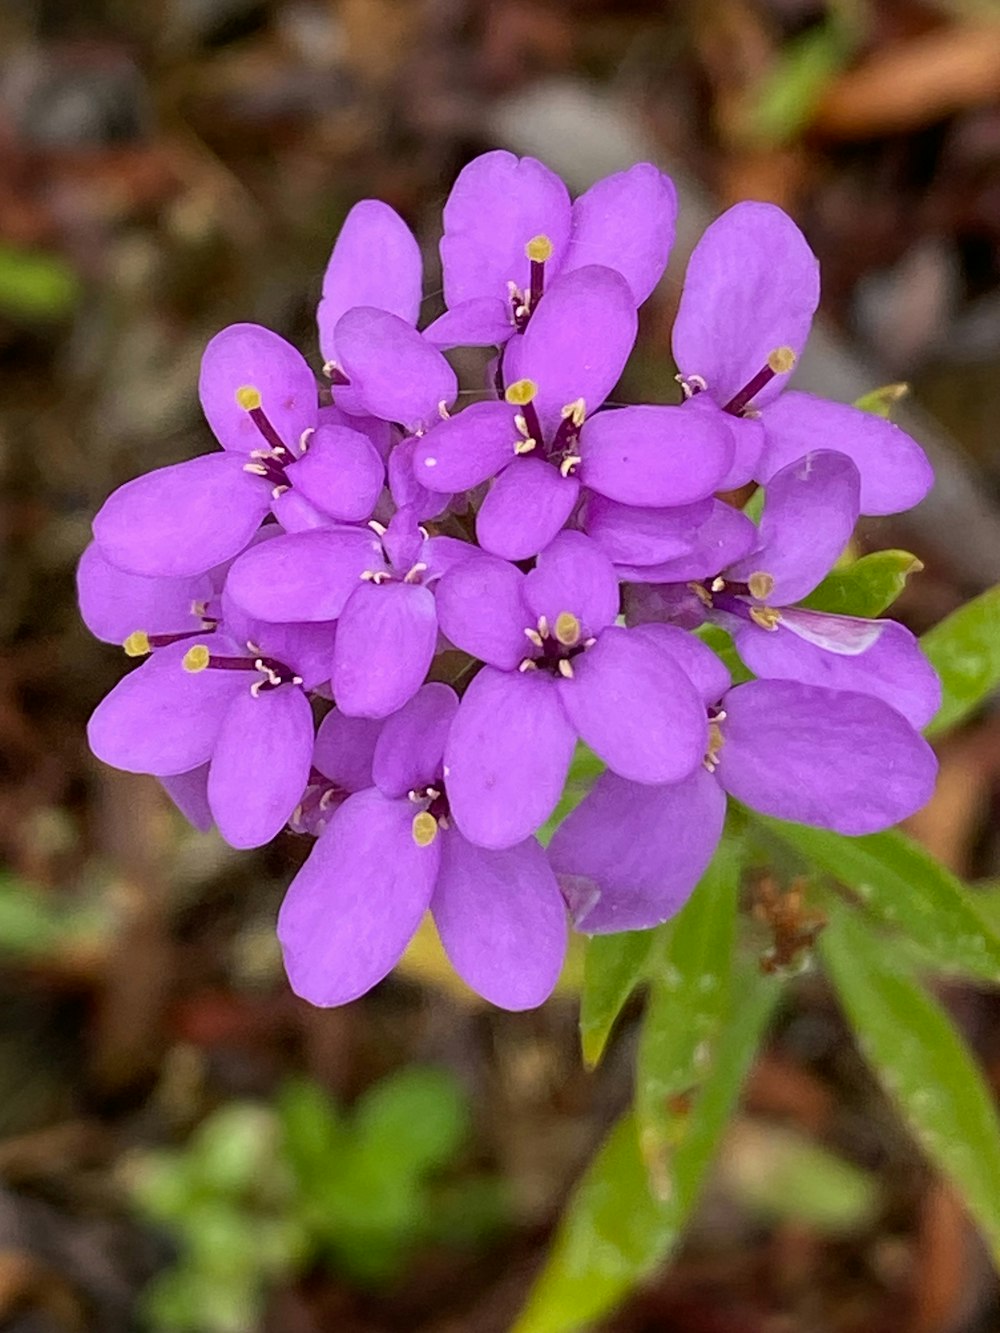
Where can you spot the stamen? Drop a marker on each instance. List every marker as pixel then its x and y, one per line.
pixel 702 593
pixel 424 828
pixel 576 412
pixel 196 659
pixel 719 584
pixel 568 629
pixel 413 575
pixel 520 393
pixel 761 585
pixel 543 626
pixel 524 446
pixel 569 464
pixel 137 644
pixel 304 439
pixel 379 529
pixel 765 616
pixel 539 249
pixel 528 665
pixel 566 668
pixel 248 397
pixel 335 375
pixel 535 637
pixel 779 362
pixel 443 412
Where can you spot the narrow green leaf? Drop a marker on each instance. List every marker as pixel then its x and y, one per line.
pixel 786 99
pixel 964 650
pixel 905 887
pixel 614 1232
pixel 864 587
pixel 923 1063
pixel 36 285
pixel 613 965
pixel 880 402
pixel 689 1000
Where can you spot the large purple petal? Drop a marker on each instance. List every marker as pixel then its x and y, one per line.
pixel 843 761
pixel 386 638
pixel 250 356
pixel 630 854
pixel 895 472
pixel 573 574
pixel 633 534
pixel 189 792
pixel 406 490
pixel 398 375
pixel 501 919
pixel 304 575
pixel 706 672
pixel 752 286
pixel 410 750
pixel 375 262
pixel 892 668
pixel 113 604
pixel 484 321
pixel 577 342
pixel 340 473
pixel 497 205
pixel 634 706
pixel 353 907
pixel 507 756
pixel 481 609
pixel 344 749
pixel 626 222
pixel 724 537
pixel 527 506
pixel 467 449
pixel 162 719
pixel 260 765
pixel 810 509
pixel 655 455
pixel 746 434
pixel 183 519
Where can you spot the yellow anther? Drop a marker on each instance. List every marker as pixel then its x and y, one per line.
pixel 566 669
pixel 520 393
pixel 137 644
pixel 781 360
pixel 576 411
pixel 761 585
pixel 248 397
pixel 524 446
pixel 425 828
pixel 538 249
pixel 765 616
pixel 567 629
pixel 702 593
pixel 196 658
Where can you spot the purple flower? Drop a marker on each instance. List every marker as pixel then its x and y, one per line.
pixel 391 852
pixel 260 399
pixel 629 856
pixel 557 668
pixel 751 290
pixel 341 765
pixel 510 230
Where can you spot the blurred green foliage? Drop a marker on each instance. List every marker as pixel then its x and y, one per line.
pixel 35 285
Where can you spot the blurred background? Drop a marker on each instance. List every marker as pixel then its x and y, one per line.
pixel 183 1144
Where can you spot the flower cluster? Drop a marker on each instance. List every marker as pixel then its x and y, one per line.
pixel 461 594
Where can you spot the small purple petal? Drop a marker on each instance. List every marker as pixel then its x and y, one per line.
pixel 398 374
pixel 640 535
pixel 295 514
pixel 527 506
pixel 573 574
pixel 189 792
pixel 386 638
pixel 501 919
pixel 626 222
pixel 484 321
pixel 724 537
pixel 663 603
pixel 382 434
pixel 507 756
pixel 340 473
pixel 249 356
pixel 629 855
pixel 842 761
pixel 410 750
pixel 746 434
pixel 304 575
pixel 353 907
pixel 344 749
pixel 481 609
pixel 183 519
pixel 113 603
pixel 655 455
pixel 706 672
pixel 406 490
pixel 467 449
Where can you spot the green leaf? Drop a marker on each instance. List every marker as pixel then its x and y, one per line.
pixel 964 650
pixel 614 1232
pixel 787 97
pixel 721 643
pixel 33 923
pixel 417 1118
pixel 880 402
pixel 613 965
pixel 864 587
pixel 315 1138
pixel 35 285
pixel 923 1063
pixel 689 1000
pixel 754 507
pixel 906 888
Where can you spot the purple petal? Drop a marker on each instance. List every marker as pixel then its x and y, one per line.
pixel 626 222
pixel 846 762
pixel 260 765
pixel 706 672
pixel 576 344
pixel 633 534
pixel 497 205
pixel 752 286
pixel 113 604
pixel 892 667
pixel 810 509
pixel 344 749
pixel 306 648
pixel 183 519
pixel 398 374
pixel 481 609
pixel 410 750
pixel 189 792
pixel 895 473
pixel 442 554
pixel 375 262
pixel 655 455
pixel 382 434
pixel 304 575
pixel 501 919
pixel 249 356
pixel 724 537
pixel 634 706
pixel 573 574
pixel 526 508
pixel 629 855
pixel 746 435
pixel 406 490
pixel 663 603
pixel 353 907
pixel 162 719
pixel 507 756
pixel 467 449
pixel 340 473
pixel 295 514
pixel 485 321
pixel 403 540
pixel 386 638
